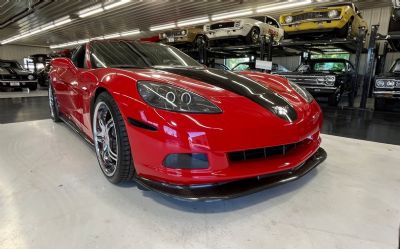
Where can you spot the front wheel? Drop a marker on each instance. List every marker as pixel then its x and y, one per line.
pixel 254 36
pixel 334 99
pixel 111 141
pixel 33 87
pixel 54 113
pixel 380 104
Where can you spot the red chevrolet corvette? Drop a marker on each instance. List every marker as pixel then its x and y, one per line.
pixel 157 116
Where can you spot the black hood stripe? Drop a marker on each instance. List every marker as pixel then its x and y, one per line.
pixel 242 86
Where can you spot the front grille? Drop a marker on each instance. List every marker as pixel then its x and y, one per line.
pixel 222 25
pixel 307 80
pixel 310 15
pixel 262 153
pixel 13 77
pixel 173 33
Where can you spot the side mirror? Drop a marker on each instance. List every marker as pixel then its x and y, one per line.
pixel 63 63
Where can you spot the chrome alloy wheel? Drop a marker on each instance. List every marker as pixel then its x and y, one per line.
pixel 105 139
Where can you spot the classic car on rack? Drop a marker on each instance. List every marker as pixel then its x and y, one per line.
pixel 341 20
pixel 13 75
pixel 326 77
pixel 387 87
pixel 156 115
pixel 193 36
pixel 243 30
pixel 251 66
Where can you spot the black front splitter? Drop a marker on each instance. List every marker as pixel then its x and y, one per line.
pixel 233 189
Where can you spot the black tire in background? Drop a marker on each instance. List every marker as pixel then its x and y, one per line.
pixel 32 87
pixel 380 104
pixel 124 167
pixel 251 36
pixel 53 104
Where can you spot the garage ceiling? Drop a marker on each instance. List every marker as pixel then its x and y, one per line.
pixel 19 17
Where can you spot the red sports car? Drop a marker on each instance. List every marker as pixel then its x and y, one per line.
pixel 179 128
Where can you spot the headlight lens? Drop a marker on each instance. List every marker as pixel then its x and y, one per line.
pixel 288 19
pixel 333 13
pixel 183 32
pixel 31 77
pixel 302 92
pixel 330 80
pixel 176 99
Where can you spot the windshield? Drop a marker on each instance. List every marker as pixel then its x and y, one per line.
pixel 396 67
pixel 10 64
pixel 129 54
pixel 322 67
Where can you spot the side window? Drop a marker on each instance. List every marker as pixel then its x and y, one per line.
pixel 78 58
pixel 350 67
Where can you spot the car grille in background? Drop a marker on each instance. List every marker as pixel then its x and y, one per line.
pixel 13 77
pixel 174 33
pixel 306 80
pixel 310 15
pixel 222 25
pixel 262 153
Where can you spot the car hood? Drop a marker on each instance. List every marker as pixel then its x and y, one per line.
pixel 270 92
pixel 6 71
pixel 309 74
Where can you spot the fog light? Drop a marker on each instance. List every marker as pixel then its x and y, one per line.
pixel 186 161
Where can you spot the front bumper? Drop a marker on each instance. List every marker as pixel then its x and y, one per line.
pixel 316 90
pixel 177 39
pixel 387 94
pixel 219 34
pixel 17 84
pixel 234 189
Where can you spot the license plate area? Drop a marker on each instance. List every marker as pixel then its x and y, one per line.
pixel 14 84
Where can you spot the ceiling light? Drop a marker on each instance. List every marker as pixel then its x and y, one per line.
pixel 193 21
pixel 112 36
pixel 116 4
pixel 90 11
pixel 82 41
pixel 221 16
pixel 132 32
pixel 97 38
pixel 46 27
pixel 163 26
pixel 62 21
pixel 284 5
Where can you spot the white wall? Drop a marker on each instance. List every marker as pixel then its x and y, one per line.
pixel 18 52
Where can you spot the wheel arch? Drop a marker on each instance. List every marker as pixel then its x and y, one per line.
pixel 97 92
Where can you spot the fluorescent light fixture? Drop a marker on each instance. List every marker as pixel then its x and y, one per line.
pixel 221 16
pixel 193 21
pixel 82 41
pixel 116 4
pixel 62 21
pixel 97 38
pixel 284 5
pixel 112 36
pixel 163 26
pixel 132 32
pixel 46 27
pixel 90 11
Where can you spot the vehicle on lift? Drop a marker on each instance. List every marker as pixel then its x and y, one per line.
pixel 41 65
pixel 192 36
pixel 243 31
pixel 13 75
pixel 393 37
pixel 387 87
pixel 154 38
pixel 251 66
pixel 325 77
pixel 156 115
pixel 342 20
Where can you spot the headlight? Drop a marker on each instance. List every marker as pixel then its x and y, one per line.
pixel 31 77
pixel 183 32
pixel 390 83
pixel 176 99
pixel 164 35
pixel 333 13
pixel 380 83
pixel 330 80
pixel 237 24
pixel 302 92
pixel 288 19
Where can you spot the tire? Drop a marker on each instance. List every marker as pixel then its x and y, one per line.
pixel 346 31
pixel 380 104
pixel 53 104
pixel 33 87
pixel 334 99
pixel 253 37
pixel 200 39
pixel 111 141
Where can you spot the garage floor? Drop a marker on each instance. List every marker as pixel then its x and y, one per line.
pixel 52 195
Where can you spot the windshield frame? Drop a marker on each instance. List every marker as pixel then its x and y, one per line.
pixel 311 64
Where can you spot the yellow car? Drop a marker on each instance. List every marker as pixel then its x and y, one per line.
pixel 343 20
pixel 190 35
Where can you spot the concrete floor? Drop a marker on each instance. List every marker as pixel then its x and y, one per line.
pixel 53 195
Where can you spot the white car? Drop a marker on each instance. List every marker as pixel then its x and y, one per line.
pixel 248 30
pixel 396 3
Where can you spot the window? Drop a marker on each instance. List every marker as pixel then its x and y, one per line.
pixel 329 67
pixel 271 21
pixel 78 58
